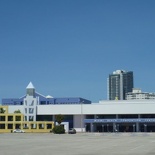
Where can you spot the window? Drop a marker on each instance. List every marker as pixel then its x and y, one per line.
pixel 31 118
pixel 31 110
pixel 18 118
pixel 49 126
pixel 25 110
pixel 41 126
pixel 2 126
pixel 32 103
pixel 25 126
pixel 25 102
pixel 2 118
pixel 10 118
pixel 25 118
pixel 34 126
pixel 10 126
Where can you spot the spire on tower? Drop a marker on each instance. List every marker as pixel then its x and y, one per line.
pixel 30 86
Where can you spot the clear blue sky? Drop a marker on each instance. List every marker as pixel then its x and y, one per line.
pixel 67 48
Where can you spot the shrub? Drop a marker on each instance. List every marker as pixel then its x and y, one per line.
pixel 59 129
pixel 59 118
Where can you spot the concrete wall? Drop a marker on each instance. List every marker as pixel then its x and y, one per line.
pixel 104 107
pixel 12 108
pixel 117 107
pixel 78 123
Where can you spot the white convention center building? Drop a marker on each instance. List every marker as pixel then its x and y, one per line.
pixel 85 116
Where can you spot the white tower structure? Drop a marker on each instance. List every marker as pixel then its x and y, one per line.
pixel 30 103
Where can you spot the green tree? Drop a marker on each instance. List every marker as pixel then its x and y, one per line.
pixel 59 129
pixel 17 111
pixel 59 118
pixel 2 118
pixel 2 110
pixel 18 118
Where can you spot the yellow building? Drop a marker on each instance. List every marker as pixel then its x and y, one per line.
pixel 10 122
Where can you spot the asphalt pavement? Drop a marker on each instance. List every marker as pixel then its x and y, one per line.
pixel 77 144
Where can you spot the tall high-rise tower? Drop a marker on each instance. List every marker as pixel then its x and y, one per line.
pixel 119 83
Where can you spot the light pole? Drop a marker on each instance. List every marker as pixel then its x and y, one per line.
pixel 81 117
pixel 107 127
pixel 145 127
pixel 102 128
pixel 118 127
pixel 133 127
pixel 92 128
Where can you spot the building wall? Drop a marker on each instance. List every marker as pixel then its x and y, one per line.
pixel 30 106
pixel 12 108
pixel 104 107
pixel 140 96
pixel 78 123
pixel 59 109
pixel 114 108
pixel 12 121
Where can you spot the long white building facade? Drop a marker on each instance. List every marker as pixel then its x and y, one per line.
pixel 84 116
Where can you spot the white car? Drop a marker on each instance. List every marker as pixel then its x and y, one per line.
pixel 18 131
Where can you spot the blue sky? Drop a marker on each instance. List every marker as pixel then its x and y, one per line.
pixel 67 48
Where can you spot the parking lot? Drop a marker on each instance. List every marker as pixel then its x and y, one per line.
pixel 77 144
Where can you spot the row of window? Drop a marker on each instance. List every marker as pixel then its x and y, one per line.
pixel 10 118
pixel 29 118
pixel 25 126
pixel 119 116
pixel 44 103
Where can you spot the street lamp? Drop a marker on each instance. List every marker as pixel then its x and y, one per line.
pixel 102 128
pixel 118 127
pixel 145 128
pixel 107 127
pixel 133 127
pixel 82 116
pixel 92 128
pixel 85 128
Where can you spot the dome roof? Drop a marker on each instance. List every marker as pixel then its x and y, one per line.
pixel 48 96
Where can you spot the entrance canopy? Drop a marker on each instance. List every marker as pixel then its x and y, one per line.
pixel 134 120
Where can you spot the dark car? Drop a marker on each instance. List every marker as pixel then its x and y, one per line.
pixel 72 131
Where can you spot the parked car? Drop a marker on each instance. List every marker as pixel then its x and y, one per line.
pixel 115 130
pixel 18 131
pixel 72 131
